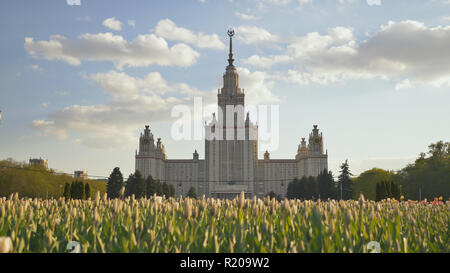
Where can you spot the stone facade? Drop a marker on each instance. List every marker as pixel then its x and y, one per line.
pixel 231 163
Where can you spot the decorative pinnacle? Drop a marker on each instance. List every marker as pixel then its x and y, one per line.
pixel 230 33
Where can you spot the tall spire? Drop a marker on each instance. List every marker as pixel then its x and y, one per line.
pixel 230 55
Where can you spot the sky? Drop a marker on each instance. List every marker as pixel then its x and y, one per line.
pixel 79 79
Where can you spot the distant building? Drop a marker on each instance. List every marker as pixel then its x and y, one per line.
pixel 80 174
pixel 39 162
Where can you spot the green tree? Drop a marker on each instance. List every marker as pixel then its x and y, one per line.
pixel 429 176
pixel 326 185
pixel 115 183
pixel 387 189
pixel 77 190
pixel 272 195
pixel 165 189
pixel 345 183
pixel 87 191
pixel 378 196
pixel 73 190
pixel 159 188
pixel 366 182
pixel 66 191
pixel 136 185
pixel 192 193
pixel 130 185
pixel 150 184
pixel 171 190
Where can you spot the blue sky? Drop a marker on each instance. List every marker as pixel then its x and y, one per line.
pixel 77 88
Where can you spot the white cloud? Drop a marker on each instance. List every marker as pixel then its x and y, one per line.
pixel 247 17
pixel 143 51
pixel 406 49
pixel 73 2
pixel 133 102
pixel 405 84
pixel 267 62
pixel 113 24
pixel 48 128
pixel 257 87
pixel 132 23
pixel 256 35
pixel 169 30
pixel 36 67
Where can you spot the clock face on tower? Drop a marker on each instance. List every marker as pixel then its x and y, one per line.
pixel 146 141
pixel 316 140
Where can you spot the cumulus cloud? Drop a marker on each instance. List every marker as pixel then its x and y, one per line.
pixel 245 16
pixel 257 86
pixel 47 128
pixel 256 35
pixel 267 62
pixel 144 50
pixel 133 102
pixel 398 50
pixel 169 30
pixel 113 24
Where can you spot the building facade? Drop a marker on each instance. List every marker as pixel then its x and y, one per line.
pixel 231 163
pixel 80 175
pixel 39 162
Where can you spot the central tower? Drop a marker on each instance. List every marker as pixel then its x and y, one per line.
pixel 231 99
pixel 231 148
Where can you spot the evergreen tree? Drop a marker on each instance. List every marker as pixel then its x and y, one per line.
pixel 115 183
pixel 345 182
pixel 67 191
pixel 192 193
pixel 140 189
pixel 387 189
pixel 129 185
pixel 378 192
pixel 171 190
pixel 136 185
pixel 159 188
pixel 77 190
pixel 326 185
pixel 80 190
pixel 87 191
pixel 165 189
pixel 395 191
pixel 272 195
pixel 150 186
pixel 73 190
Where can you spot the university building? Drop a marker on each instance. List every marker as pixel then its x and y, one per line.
pixel 231 163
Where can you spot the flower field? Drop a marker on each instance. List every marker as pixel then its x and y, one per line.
pixel 211 225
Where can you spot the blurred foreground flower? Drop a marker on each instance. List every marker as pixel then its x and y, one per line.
pixel 5 245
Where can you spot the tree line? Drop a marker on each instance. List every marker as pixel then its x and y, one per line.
pixel 323 186
pixel 427 177
pixel 77 190
pixel 136 185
